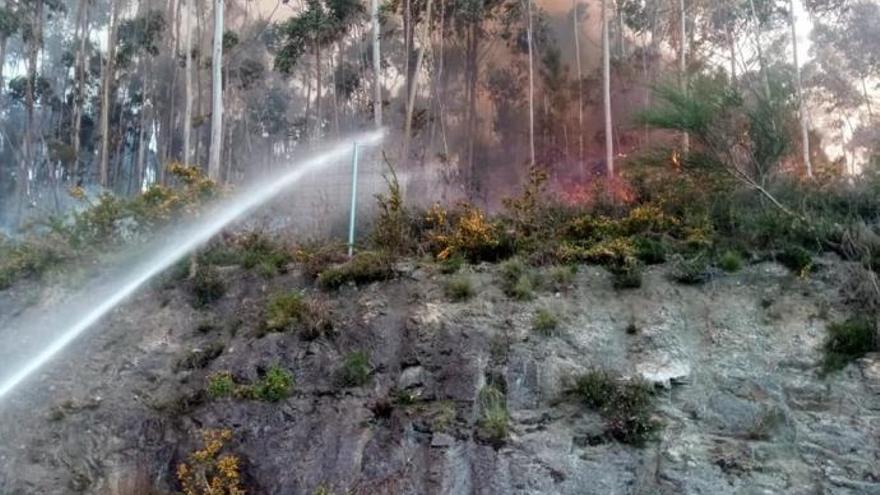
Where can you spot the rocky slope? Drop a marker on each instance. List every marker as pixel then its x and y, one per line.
pixel 735 363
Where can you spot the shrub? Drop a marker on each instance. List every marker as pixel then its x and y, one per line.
pixel 465 232
pixel 730 261
pixel 201 358
pixel 796 259
pixel 518 280
pixel 207 472
pixel 493 424
pixel 27 259
pixel 317 257
pixel 221 385
pixel 452 264
pixel 562 277
pixel 650 251
pixel 393 229
pixel 691 271
pixel 545 322
pixel 355 370
pixel 459 288
pixel 274 386
pixel 286 311
pixel 363 268
pixel 627 406
pixel 627 276
pixel 847 341
pixel 611 252
pixel 259 252
pixel 207 285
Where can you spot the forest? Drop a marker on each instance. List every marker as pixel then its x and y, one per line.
pixel 616 246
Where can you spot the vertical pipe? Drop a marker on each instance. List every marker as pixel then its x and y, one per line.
pixel 354 190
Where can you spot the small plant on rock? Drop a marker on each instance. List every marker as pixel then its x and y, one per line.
pixel 207 471
pixel 221 385
pixel 355 370
pixel 692 271
pixel 730 261
pixel 286 311
pixel 459 288
pixel 518 280
pixel 562 277
pixel 275 385
pixel 207 285
pixel 363 268
pixel 627 275
pixel 796 259
pixel 494 419
pixel 545 322
pixel 848 341
pixel 627 406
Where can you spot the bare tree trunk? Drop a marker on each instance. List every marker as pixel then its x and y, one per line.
pixel 531 84
pixel 26 164
pixel 188 104
pixel 411 99
pixel 318 88
pixel 682 67
pixel 731 40
pixel 867 96
pixel 580 83
pixel 377 64
pixel 217 94
pixel 79 84
pixel 606 91
pixel 3 42
pixel 760 49
pixel 802 107
pixel 106 84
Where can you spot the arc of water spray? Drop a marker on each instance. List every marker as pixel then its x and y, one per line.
pixel 196 235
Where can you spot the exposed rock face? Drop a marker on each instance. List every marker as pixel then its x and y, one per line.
pixel 735 363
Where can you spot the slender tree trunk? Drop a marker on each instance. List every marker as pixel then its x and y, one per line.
pixel 756 22
pixel 606 91
pixel 377 64
pixel 411 99
pixel 731 40
pixel 79 87
pixel 318 87
pixel 867 96
pixel 682 67
pixel 531 83
pixel 3 42
pixel 188 104
pixel 217 94
pixel 580 83
pixel 473 46
pixel 107 82
pixel 802 107
pixel 26 165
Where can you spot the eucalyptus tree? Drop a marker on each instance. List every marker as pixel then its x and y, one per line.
pixel 217 93
pixel 9 26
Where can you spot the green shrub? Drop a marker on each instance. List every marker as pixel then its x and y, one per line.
pixel 260 253
pixel 459 288
pixel 849 340
pixel 452 264
pixel 292 310
pixel 315 257
pixel 494 419
pixel 274 386
pixel 221 385
pixel 730 261
pixel 27 259
pixel 562 277
pixel 363 268
pixel 355 370
pixel 545 322
pixel 627 406
pixel 393 230
pixel 650 251
pixel 207 285
pixel 796 259
pixel 691 271
pixel 518 280
pixel 627 276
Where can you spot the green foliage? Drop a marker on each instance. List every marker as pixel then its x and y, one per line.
pixel 849 340
pixel 518 280
pixel 207 286
pixel 796 259
pixel 459 288
pixel 315 257
pixel 650 251
pixel 221 385
pixel 562 277
pixel 627 406
pixel 363 268
pixel 627 276
pixel 692 271
pixel 393 231
pixel 452 264
pixel 274 386
pixel 258 251
pixel 355 370
pixel 494 419
pixel 545 322
pixel 730 261
pixel 293 311
pixel 28 259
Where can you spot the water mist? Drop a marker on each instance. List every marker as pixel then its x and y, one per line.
pixel 30 341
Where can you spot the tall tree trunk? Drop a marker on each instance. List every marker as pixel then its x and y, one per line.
pixel 756 23
pixel 318 88
pixel 79 75
pixel 867 96
pixel 3 42
pixel 377 64
pixel 411 99
pixel 187 112
pixel 473 46
pixel 682 68
pixel 217 94
pixel 27 163
pixel 606 92
pixel 802 107
pixel 529 34
pixel 106 83
pixel 731 41
pixel 580 83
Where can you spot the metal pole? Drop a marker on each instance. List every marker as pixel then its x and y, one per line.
pixel 354 189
